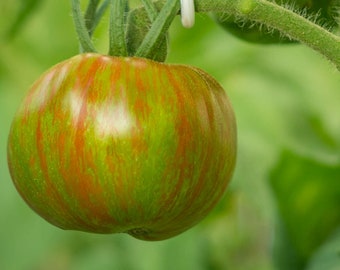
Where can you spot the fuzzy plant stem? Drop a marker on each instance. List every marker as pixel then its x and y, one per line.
pixel 117 28
pixel 81 28
pixel 286 21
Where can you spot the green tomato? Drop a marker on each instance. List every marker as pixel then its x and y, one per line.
pixel 123 145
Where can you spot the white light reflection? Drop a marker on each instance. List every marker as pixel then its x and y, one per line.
pixel 114 120
pixel 109 119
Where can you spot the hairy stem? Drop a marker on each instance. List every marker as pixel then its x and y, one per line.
pixel 81 29
pixel 286 21
pixel 117 28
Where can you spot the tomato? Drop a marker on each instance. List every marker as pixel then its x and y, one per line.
pixel 123 145
pixel 255 33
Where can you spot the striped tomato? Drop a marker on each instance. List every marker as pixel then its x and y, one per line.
pixel 111 144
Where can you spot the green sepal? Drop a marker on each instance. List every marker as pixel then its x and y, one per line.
pixel 138 25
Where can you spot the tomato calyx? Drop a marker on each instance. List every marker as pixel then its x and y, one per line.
pixel 140 32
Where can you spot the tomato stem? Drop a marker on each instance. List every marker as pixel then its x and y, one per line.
pixel 278 17
pixel 117 28
pixel 269 13
pixel 157 32
pixel 81 29
pixel 296 27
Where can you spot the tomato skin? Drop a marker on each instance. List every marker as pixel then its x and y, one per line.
pixel 109 144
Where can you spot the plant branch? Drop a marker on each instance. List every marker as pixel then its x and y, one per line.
pixel 286 21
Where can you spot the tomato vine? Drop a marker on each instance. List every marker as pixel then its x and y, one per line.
pixel 160 14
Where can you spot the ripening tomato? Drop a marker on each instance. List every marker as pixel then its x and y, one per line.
pixel 110 144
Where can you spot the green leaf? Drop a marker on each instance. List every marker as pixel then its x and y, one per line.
pixel 308 199
pixel 327 257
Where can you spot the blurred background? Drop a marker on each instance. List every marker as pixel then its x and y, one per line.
pixel 282 209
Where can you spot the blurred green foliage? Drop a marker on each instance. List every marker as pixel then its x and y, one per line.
pixel 308 197
pixel 282 208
